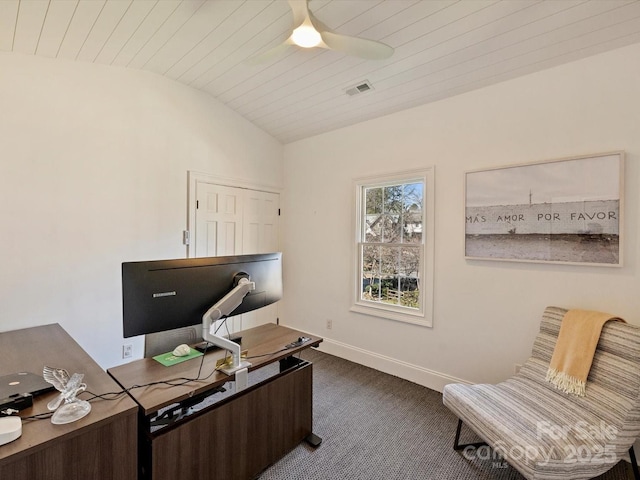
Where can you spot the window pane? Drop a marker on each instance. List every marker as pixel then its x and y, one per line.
pixel 371 259
pixel 391 229
pixel 412 213
pixel 370 277
pixel 393 199
pixel 373 228
pixel 412 227
pixel 409 264
pixel 409 293
pixel 389 289
pixel 413 195
pixel 410 278
pixel 373 201
pixel 389 260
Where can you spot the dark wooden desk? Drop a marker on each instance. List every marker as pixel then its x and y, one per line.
pixel 101 445
pixel 240 435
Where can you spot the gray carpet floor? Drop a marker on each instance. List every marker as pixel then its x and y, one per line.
pixel 377 426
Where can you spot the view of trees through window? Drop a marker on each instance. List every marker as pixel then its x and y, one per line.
pixel 391 244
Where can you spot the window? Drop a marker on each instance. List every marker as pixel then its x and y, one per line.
pixel 394 246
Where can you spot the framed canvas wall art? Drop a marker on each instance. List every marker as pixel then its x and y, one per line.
pixel 561 211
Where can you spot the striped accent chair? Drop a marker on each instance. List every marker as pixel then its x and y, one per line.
pixel 547 434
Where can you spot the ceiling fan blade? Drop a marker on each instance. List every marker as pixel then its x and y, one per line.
pixel 300 9
pixel 268 55
pixel 356 46
pixel 359 47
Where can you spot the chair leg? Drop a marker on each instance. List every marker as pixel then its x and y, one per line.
pixel 634 464
pixel 457 446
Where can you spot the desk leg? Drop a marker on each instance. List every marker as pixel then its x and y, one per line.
pixel 293 362
pixel 290 362
pixel 313 440
pixel 144 447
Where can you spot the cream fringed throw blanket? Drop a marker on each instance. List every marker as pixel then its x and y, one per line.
pixel 574 350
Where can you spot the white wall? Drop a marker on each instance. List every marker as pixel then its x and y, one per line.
pixel 486 313
pixel 93 172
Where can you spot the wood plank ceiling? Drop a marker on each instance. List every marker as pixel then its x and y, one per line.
pixel 442 48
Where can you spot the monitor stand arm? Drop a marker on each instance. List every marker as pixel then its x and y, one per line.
pixel 223 308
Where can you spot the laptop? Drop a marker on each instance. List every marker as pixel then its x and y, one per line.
pixel 23 382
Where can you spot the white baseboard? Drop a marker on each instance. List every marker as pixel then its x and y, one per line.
pixel 414 373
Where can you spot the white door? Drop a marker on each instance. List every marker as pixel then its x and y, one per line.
pixel 260 235
pixel 218 220
pixel 237 221
pixel 260 222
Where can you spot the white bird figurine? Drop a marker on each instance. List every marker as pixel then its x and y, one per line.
pixel 69 387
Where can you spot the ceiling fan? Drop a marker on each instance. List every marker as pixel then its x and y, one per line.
pixel 309 32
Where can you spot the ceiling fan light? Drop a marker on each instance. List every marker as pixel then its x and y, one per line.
pixel 306 36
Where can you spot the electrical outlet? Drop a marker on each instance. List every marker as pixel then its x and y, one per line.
pixel 127 350
pixel 329 324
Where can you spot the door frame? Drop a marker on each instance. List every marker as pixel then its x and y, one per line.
pixel 193 177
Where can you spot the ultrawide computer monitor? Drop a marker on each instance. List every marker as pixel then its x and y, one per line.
pixel 163 295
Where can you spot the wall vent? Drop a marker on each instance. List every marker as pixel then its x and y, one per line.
pixel 361 87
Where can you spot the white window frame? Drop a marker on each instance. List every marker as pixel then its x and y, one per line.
pixel 424 315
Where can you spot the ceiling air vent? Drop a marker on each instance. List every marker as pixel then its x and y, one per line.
pixel 362 87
